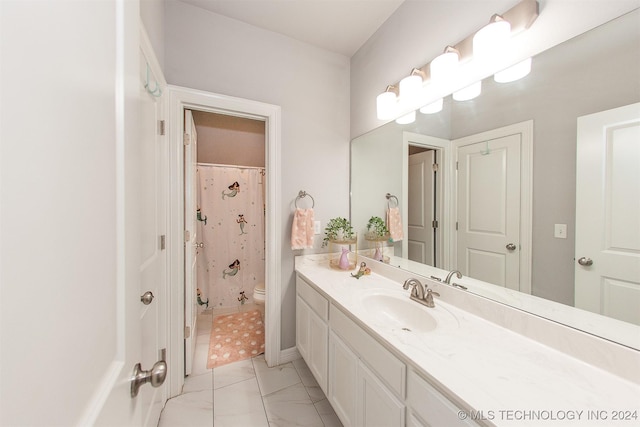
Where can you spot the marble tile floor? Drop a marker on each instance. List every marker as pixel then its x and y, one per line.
pixel 247 393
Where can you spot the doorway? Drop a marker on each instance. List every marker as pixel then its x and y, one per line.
pixel 225 214
pixel 423 205
pixel 426 178
pixel 181 99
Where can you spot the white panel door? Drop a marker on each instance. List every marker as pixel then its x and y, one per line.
pixel 488 210
pixel 153 197
pixel 142 205
pixel 608 213
pixel 190 248
pixel 421 208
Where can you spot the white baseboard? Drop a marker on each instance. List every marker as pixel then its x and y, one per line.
pixel 289 355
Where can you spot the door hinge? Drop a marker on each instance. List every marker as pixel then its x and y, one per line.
pixel 187 235
pixel 435 167
pixel 187 332
pixel 186 139
pixel 456 225
pixel 456 165
pixel 163 242
pixel 161 127
pixel 434 223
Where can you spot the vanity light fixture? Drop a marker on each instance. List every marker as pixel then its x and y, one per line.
pixel 387 103
pixel 513 73
pixel 434 107
pixel 492 39
pixel 459 70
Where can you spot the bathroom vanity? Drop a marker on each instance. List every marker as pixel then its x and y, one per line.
pixel 385 360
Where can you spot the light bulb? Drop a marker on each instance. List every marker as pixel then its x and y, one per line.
pixel 434 107
pixel 443 66
pixel 386 104
pixel 410 90
pixel 491 39
pixel 468 92
pixel 513 73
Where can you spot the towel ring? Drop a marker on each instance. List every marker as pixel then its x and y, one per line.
pixel 390 196
pixel 302 195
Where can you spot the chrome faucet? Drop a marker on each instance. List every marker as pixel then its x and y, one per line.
pixel 417 291
pixel 420 293
pixel 428 299
pixel 451 273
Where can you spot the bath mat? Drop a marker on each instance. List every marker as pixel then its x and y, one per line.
pixel 234 337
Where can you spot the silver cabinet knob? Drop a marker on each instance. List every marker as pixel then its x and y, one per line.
pixel 147 297
pixel 155 376
pixel 585 261
pixel 199 245
pixel 511 247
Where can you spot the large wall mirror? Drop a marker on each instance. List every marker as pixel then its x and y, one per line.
pixel 594 72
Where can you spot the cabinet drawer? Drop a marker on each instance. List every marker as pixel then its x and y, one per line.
pixel 313 298
pixel 388 367
pixel 431 405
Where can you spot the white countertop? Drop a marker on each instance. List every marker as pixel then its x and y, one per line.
pixel 507 378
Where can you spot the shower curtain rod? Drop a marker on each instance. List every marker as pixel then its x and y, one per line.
pixel 231 166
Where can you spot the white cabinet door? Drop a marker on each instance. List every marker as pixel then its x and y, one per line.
pixel 343 381
pixel 377 406
pixel 608 213
pixel 302 331
pixel 311 339
pixel 318 349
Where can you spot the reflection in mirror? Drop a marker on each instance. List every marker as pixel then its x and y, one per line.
pixel 591 73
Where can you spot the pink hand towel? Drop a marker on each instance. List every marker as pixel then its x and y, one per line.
pixel 302 229
pixel 394 224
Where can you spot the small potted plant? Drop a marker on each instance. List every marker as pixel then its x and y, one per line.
pixel 376 229
pixel 377 232
pixel 338 230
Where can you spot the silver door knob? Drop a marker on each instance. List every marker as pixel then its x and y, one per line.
pixel 511 247
pixel 585 261
pixel 155 376
pixel 147 297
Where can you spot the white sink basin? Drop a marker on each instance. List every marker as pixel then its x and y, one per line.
pixel 400 312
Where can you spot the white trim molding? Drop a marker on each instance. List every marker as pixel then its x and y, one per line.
pixel 447 165
pixel 181 98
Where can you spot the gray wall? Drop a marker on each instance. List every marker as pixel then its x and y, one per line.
pixel 210 52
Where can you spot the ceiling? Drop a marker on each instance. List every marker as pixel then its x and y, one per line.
pixel 340 26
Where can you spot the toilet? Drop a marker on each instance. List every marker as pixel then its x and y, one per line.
pixel 258 294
